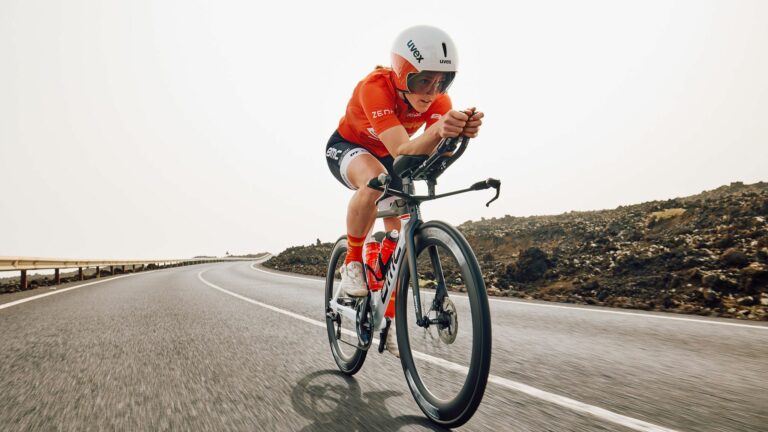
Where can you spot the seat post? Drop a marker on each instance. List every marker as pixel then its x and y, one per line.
pixel 408 186
pixel 412 207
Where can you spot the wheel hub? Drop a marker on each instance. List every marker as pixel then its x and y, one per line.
pixel 449 327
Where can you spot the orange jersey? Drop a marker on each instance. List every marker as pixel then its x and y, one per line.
pixel 375 107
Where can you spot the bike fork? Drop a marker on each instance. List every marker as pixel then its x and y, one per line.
pixel 421 319
pixel 441 291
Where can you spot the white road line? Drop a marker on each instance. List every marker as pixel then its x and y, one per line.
pixel 562 401
pixel 285 275
pixel 59 291
pixel 258 303
pixel 582 309
pixel 24 300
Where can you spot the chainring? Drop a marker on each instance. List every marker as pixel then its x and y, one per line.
pixel 364 323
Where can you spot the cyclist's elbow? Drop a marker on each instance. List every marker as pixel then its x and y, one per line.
pixel 399 149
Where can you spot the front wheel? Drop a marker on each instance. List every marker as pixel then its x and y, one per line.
pixel 342 333
pixel 447 362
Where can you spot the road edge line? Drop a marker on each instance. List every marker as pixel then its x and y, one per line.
pixel 572 404
pixel 63 290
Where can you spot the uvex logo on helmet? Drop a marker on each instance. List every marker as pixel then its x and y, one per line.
pixel 415 51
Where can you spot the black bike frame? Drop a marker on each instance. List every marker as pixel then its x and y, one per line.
pixel 428 169
pixel 414 210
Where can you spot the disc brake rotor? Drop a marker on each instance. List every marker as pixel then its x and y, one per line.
pixel 448 332
pixel 364 324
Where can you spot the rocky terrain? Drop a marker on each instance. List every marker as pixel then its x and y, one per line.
pixel 705 254
pixel 308 260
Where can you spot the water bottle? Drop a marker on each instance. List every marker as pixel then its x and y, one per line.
pixel 372 251
pixel 387 248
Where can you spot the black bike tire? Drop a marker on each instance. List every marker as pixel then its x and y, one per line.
pixel 461 408
pixel 352 365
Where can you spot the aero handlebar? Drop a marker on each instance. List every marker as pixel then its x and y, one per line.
pixel 432 167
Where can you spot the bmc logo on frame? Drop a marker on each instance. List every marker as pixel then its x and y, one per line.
pixel 333 153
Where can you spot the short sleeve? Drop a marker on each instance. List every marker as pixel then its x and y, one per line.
pixel 439 107
pixel 378 105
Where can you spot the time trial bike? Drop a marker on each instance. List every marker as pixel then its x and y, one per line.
pixel 443 321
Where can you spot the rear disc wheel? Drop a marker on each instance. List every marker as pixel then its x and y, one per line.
pixel 342 332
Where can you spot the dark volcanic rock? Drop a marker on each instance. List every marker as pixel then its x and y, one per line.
pixel 531 265
pixel 734 258
pixel 310 260
pixel 697 254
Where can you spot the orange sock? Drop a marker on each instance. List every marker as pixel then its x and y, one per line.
pixel 354 249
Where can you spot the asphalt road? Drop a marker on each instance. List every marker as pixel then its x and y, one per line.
pixel 228 346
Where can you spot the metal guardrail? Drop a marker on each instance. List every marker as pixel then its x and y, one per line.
pixel 34 263
pixel 23 264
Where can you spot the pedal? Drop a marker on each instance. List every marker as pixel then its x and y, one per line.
pixel 346 301
pixel 383 334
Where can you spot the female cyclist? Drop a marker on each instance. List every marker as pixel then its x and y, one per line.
pixel 387 107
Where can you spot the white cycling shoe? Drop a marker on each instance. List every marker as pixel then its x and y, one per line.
pixel 352 280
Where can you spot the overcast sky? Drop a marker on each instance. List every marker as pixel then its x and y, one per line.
pixel 149 129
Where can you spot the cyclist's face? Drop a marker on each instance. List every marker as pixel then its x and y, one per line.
pixel 420 103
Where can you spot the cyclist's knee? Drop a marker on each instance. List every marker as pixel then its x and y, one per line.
pixel 362 169
pixel 367 194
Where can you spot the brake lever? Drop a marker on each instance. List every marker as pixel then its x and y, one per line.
pixel 496 184
pixel 487 184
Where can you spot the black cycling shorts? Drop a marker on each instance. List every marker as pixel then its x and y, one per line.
pixel 340 152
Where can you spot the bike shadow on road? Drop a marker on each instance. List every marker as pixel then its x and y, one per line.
pixel 333 401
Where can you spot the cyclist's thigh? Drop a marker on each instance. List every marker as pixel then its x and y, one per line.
pixel 339 154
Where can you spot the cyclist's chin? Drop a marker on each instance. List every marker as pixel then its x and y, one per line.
pixel 420 103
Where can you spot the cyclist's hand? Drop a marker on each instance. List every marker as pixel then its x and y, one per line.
pixel 473 125
pixel 451 124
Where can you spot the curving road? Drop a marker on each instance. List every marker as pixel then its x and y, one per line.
pixel 230 346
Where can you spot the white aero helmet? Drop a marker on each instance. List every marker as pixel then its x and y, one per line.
pixel 423 49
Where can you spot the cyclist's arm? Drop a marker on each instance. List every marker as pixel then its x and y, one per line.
pixel 397 141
